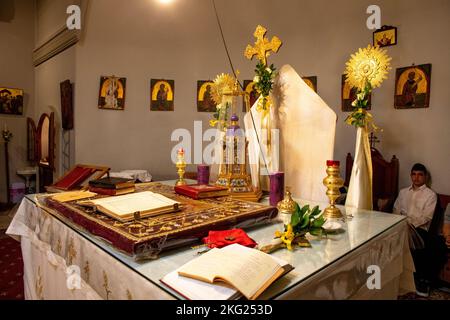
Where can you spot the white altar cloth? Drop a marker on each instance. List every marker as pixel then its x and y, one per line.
pixel 334 268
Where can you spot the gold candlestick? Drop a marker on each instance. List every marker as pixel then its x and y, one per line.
pixel 181 165
pixel 333 182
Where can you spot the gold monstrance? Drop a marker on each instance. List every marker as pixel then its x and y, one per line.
pixel 233 145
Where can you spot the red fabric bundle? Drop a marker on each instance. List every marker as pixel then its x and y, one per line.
pixel 220 239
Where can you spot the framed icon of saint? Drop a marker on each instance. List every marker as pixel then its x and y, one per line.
pixel 112 93
pixel 412 87
pixel 162 95
pixel 205 102
pixel 311 82
pixel 249 88
pixel 11 101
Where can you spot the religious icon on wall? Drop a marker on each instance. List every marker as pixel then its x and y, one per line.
pixel 348 95
pixel 162 95
pixel 205 102
pixel 386 36
pixel 412 87
pixel 249 87
pixel 311 82
pixel 11 101
pixel 66 105
pixel 112 93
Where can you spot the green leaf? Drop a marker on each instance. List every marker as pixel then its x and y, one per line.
pixel 305 220
pixel 304 210
pixel 295 219
pixel 318 232
pixel 319 222
pixel 315 211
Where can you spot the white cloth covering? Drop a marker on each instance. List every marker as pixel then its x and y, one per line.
pixel 51 251
pixel 141 175
pixel 50 247
pixel 307 133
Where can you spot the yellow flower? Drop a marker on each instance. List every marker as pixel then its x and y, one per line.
pixel 286 237
pixel 213 123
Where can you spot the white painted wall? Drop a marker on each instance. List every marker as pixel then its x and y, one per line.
pixel 48 77
pixel 142 39
pixel 16 71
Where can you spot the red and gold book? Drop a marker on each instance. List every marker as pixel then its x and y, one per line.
pixel 111 192
pixel 201 191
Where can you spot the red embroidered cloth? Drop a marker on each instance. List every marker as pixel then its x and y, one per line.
pixel 220 239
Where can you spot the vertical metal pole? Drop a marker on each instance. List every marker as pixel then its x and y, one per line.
pixel 8 196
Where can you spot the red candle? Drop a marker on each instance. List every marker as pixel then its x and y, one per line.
pixel 333 163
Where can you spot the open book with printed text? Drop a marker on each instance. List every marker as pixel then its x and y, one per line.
pixel 133 206
pixel 226 274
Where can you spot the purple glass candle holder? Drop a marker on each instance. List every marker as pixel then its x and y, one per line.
pixel 276 188
pixel 203 174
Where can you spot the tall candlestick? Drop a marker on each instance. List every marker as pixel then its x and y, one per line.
pixel 333 182
pixel 181 166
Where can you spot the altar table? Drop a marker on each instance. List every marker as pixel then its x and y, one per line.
pixel 55 251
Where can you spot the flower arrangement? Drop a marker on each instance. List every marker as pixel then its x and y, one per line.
pixel 263 80
pixel 366 70
pixel 304 220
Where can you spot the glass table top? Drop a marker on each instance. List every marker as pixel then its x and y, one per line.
pixel 361 227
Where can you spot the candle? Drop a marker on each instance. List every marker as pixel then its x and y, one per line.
pixel 276 188
pixel 333 163
pixel 203 174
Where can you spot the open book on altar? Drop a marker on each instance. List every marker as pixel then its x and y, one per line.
pixel 227 273
pixel 133 206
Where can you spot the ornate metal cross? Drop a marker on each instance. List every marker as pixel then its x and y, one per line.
pixel 262 46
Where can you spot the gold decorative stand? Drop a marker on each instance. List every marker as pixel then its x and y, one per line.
pixel 233 163
pixel 333 182
pixel 181 165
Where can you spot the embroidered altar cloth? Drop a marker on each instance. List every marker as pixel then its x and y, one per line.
pixel 147 238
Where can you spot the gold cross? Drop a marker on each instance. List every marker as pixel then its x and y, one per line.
pixel 262 46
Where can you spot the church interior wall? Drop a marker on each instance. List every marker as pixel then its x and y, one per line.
pixel 142 39
pixel 16 71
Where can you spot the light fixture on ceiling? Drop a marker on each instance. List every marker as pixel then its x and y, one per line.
pixel 165 1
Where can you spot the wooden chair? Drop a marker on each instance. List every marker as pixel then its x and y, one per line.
pixel 385 180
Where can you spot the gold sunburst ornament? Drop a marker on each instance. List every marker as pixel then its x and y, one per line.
pixel 367 69
pixel 368 66
pixel 223 84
